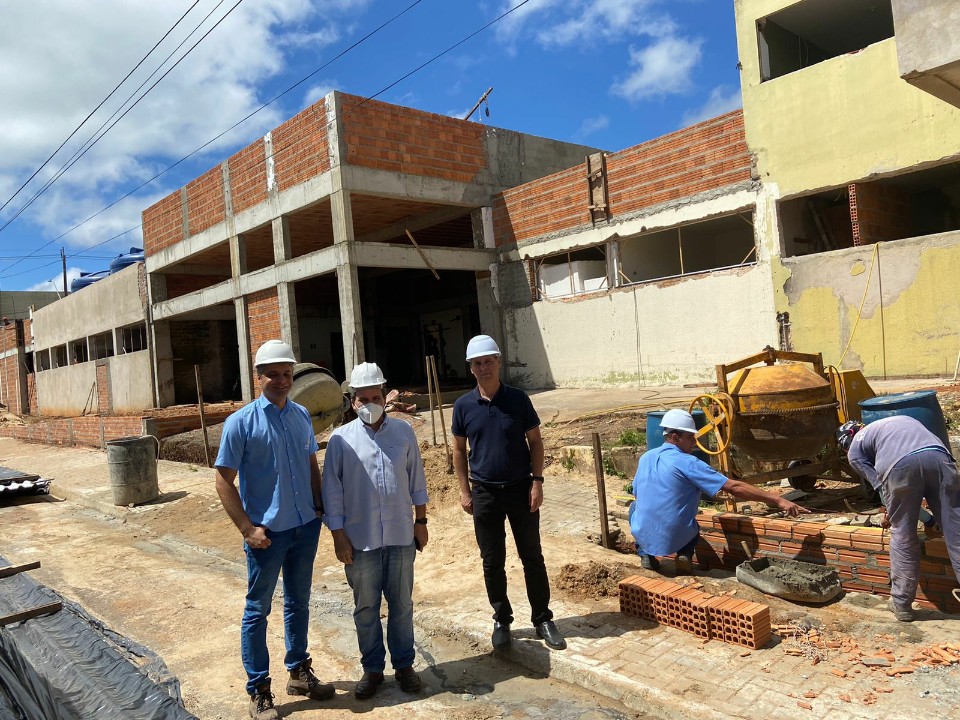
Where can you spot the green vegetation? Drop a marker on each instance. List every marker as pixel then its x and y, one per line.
pixel 567 463
pixel 632 438
pixel 609 469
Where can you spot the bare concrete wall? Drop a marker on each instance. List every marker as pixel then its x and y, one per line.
pixel 66 391
pixel 928 45
pixel 130 382
pixel 652 334
pixel 110 303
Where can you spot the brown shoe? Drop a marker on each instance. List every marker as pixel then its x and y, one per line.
pixel 304 682
pixel 367 686
pixel 261 704
pixel 409 680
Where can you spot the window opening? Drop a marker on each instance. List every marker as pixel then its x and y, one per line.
pixel 101 345
pixel 133 338
pixel 78 351
pixel 573 273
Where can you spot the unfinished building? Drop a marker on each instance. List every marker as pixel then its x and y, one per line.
pixel 355 230
pixel 862 183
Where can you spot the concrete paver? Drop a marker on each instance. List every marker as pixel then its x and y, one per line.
pixel 655 670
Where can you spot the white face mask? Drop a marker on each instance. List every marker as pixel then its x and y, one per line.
pixel 370 413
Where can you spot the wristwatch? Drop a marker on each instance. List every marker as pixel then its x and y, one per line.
pixel 537 477
pixel 421 521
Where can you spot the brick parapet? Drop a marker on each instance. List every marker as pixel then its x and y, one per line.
pixel 861 555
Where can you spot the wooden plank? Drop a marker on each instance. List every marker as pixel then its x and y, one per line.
pixel 31 613
pixel 17 569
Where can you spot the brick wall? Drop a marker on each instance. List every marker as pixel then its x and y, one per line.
pixel 75 431
pixel 396 139
pixel 248 177
pixel 703 157
pixel 300 147
pixel 861 555
pixel 205 201
pixel 104 401
pixel 879 212
pixel 13 373
pixel 263 320
pixel 178 285
pixel 163 224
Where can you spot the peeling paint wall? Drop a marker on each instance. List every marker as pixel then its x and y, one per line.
pixel 658 333
pixel 840 121
pixel 918 330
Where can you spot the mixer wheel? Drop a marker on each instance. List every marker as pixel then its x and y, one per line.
pixel 806 483
pixel 718 410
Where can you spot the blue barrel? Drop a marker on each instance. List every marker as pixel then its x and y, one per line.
pixel 921 405
pixel 655 434
pixel 121 261
pixel 87 279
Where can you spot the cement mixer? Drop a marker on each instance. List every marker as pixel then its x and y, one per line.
pixel 781 414
pixel 318 391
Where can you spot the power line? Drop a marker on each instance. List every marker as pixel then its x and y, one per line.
pixel 99 105
pixel 76 254
pixel 89 146
pixel 278 151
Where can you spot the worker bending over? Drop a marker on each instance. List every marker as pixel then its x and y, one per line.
pixel 907 464
pixel 667 487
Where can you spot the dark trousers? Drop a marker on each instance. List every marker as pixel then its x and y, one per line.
pixel 492 507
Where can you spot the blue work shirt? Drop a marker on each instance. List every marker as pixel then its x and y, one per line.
pixel 270 449
pixel 371 479
pixel 496 431
pixel 667 486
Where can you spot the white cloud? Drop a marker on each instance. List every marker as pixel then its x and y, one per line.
pixel 56 282
pixel 662 68
pixel 591 126
pixel 48 88
pixel 565 22
pixel 722 100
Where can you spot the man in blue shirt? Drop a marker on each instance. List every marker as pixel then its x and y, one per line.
pixel 907 464
pixel 504 482
pixel 667 487
pixel 270 444
pixel 372 475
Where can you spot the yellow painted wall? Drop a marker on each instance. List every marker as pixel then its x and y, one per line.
pixel 920 329
pixel 842 120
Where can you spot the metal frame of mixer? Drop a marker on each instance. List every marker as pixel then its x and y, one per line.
pixel 720 411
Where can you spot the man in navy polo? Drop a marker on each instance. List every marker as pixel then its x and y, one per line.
pixel 504 482
pixel 270 444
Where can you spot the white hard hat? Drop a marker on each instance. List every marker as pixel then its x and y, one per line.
pixel 366 375
pixel 274 351
pixel 482 345
pixel 678 420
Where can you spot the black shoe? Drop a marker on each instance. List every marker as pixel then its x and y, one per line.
pixel 501 635
pixel 649 562
pixel 304 682
pixel 367 686
pixel 409 680
pixel 551 635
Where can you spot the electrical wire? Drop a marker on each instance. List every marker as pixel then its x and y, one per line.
pixel 99 105
pixel 77 156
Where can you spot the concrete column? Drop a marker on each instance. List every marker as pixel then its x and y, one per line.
pixel 243 347
pixel 289 326
pixel 162 359
pixel 281 239
pixel 238 256
pixel 348 282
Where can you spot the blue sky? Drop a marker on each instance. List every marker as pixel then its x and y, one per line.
pixel 607 73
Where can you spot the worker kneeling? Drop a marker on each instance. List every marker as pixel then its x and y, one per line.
pixel 667 487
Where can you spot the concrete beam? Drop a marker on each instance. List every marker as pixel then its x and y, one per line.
pixel 214 295
pixel 414 187
pixel 385 255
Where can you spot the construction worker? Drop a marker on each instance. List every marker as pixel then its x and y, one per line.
pixel 372 475
pixel 270 444
pixel 907 464
pixel 504 481
pixel 667 488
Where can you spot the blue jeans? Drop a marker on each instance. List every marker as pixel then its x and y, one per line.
pixel 386 572
pixel 293 551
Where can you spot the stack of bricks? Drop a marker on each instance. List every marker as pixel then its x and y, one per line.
pixel 861 555
pixel 710 617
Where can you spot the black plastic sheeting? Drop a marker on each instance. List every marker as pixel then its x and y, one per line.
pixel 69 666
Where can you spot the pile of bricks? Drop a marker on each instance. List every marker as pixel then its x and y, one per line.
pixel 861 555
pixel 707 616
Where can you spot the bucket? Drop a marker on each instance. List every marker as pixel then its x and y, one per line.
pixel 921 405
pixel 133 469
pixel 655 435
